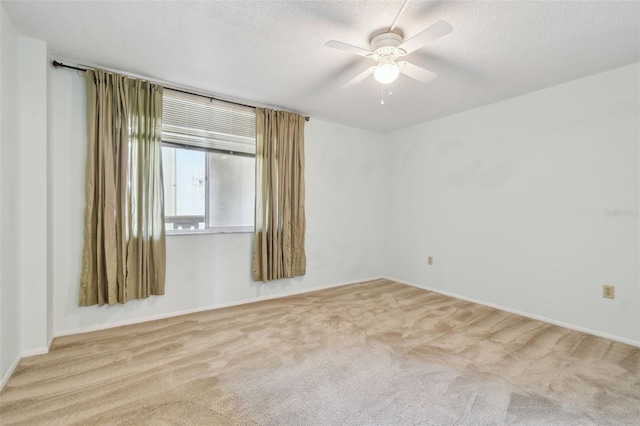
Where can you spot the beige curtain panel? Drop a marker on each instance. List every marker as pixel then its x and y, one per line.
pixel 278 246
pixel 124 247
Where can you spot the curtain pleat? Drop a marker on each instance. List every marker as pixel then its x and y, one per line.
pixel 146 242
pixel 278 250
pixel 124 249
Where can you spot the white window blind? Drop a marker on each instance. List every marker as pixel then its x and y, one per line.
pixel 200 122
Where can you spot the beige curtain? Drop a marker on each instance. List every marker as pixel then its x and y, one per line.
pixel 124 248
pixel 278 247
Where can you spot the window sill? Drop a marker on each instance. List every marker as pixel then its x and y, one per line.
pixel 215 230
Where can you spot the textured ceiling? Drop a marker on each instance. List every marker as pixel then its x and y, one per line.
pixel 272 52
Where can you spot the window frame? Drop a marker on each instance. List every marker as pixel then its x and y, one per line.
pixel 190 125
pixel 233 229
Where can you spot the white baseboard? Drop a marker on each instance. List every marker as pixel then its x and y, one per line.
pixel 524 314
pixel 9 372
pixel 203 308
pixel 24 354
pixel 37 351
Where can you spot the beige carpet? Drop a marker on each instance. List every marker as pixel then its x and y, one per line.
pixel 376 353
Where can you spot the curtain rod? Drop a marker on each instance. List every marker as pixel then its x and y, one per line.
pixel 57 64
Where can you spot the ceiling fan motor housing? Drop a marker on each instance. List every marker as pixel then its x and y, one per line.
pixel 387 44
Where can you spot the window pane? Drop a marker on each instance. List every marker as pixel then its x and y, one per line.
pixel 184 188
pixel 231 190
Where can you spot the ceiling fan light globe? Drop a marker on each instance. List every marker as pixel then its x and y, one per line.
pixel 386 73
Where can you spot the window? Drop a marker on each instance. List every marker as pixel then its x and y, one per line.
pixel 208 160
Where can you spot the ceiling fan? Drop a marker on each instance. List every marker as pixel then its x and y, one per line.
pixel 388 47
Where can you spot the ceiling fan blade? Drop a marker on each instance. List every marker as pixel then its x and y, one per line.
pixel 347 48
pixel 417 73
pixel 432 33
pixel 357 79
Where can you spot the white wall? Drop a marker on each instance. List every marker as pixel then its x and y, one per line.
pixel 33 189
pixel 9 197
pixel 49 189
pixel 23 195
pixel 344 177
pixel 511 201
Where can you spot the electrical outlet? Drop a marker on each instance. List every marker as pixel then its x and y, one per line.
pixel 608 291
pixel 430 260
